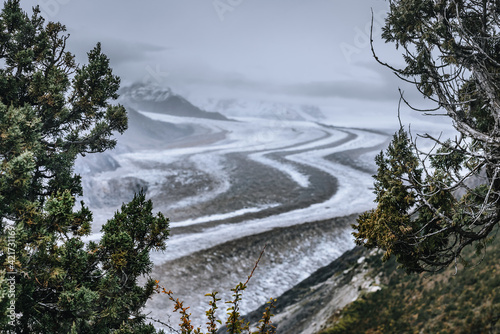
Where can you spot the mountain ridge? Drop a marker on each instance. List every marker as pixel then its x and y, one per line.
pixel 162 100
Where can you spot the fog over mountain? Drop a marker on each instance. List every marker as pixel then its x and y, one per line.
pixel 263 109
pixel 296 52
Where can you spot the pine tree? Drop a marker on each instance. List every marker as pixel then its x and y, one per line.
pixel 51 111
pixel 433 204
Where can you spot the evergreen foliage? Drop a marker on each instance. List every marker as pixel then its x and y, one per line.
pixel 52 281
pixel 431 205
pixel 51 111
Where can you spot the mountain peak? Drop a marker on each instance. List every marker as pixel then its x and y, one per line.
pixel 157 99
pixel 146 92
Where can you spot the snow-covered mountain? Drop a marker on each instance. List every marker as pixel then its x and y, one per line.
pixel 152 98
pixel 262 109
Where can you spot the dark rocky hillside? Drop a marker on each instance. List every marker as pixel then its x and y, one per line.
pixel 358 293
pixel 307 307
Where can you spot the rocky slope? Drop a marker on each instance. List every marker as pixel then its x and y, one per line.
pixel 358 293
pixel 307 307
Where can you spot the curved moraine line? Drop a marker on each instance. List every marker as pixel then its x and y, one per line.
pixel 299 154
pixel 154 167
pixel 353 195
pixel 242 139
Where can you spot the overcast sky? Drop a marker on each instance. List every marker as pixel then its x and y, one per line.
pixel 300 51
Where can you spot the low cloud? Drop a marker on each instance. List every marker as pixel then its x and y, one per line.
pixel 119 51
